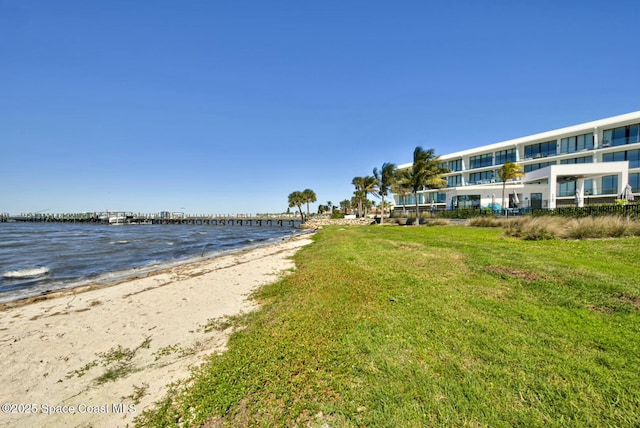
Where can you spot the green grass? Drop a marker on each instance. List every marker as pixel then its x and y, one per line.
pixel 437 326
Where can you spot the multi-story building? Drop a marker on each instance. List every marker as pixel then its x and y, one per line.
pixel 590 163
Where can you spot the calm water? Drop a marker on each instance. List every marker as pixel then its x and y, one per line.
pixel 38 257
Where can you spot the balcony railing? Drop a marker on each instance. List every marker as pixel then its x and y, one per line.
pixel 587 193
pixel 572 150
pixel 488 181
pixel 539 155
pixel 620 141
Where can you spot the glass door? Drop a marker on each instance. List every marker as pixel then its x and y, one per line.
pixel 536 201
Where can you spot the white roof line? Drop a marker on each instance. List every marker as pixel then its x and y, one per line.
pixel 545 135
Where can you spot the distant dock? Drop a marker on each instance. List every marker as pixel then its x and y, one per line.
pixel 148 219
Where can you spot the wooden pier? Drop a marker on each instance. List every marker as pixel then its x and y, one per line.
pixel 146 219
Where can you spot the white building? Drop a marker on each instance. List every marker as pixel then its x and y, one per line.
pixel 583 164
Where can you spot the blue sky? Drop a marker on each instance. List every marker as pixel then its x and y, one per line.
pixel 229 106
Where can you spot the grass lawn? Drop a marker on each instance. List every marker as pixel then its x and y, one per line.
pixel 432 326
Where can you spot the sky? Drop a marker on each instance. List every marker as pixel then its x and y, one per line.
pixel 211 107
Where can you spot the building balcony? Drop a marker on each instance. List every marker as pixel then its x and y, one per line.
pixel 620 141
pixel 539 155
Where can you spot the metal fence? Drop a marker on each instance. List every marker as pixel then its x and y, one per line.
pixel 629 210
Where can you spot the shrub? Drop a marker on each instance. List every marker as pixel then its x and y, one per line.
pixel 487 221
pixel 601 227
pixel 465 213
pixel 537 228
pixel 585 228
pixel 438 222
pixel 428 215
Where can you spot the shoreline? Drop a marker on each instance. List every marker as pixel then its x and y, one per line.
pixel 131 274
pixel 65 348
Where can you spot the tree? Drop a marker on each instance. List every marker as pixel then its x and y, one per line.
pixel 296 199
pixel 345 206
pixel 509 171
pixel 364 186
pixel 309 196
pixel 424 173
pixel 385 179
pixel 399 189
pixel 358 182
pixel 386 205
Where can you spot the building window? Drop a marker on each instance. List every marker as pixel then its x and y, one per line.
pixel 586 159
pixel 633 156
pixel 505 156
pixel 410 199
pixel 613 157
pixel 610 185
pixel 577 143
pixel 588 187
pixel 402 199
pixel 436 198
pixel 634 181
pixel 567 188
pixel 467 201
pixel 621 136
pixel 454 180
pixel 455 165
pixel 481 161
pixel 533 167
pixel 540 150
pixel 484 177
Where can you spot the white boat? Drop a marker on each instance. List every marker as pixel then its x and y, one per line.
pixel 141 222
pixel 117 220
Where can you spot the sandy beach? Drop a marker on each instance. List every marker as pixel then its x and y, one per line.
pixel 97 357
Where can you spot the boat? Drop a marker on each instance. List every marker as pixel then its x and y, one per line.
pixel 117 220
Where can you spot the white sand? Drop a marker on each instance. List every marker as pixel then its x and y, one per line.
pixel 45 343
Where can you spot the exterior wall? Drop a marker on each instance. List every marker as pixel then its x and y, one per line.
pixel 583 164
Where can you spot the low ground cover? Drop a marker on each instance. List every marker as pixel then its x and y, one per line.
pixel 437 326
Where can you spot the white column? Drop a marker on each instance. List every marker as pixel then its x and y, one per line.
pixel 623 180
pixel 596 181
pixel 580 192
pixel 553 184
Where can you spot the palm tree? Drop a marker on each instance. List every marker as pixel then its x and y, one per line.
pixel 364 186
pixel 345 206
pixel 386 205
pixel 385 177
pixel 296 199
pixel 370 188
pixel 399 188
pixel 509 171
pixel 358 182
pixel 330 205
pixel 424 173
pixel 309 196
